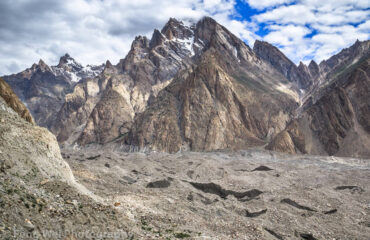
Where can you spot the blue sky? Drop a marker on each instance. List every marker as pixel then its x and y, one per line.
pixel 93 31
pixel 307 29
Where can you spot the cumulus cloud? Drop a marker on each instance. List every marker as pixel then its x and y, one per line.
pixel 261 4
pixel 313 29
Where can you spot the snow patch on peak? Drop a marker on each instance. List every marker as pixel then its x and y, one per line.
pixel 75 71
pixel 73 77
pixel 187 44
pixel 188 23
pixel 91 70
pixel 71 61
pixel 235 52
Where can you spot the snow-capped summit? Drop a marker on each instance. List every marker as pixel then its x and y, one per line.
pixel 74 70
pixel 69 63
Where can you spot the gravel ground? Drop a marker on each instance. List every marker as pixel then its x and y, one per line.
pixel 230 195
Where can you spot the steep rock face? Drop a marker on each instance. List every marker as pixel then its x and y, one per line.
pixel 314 70
pixel 111 117
pixel 227 99
pixel 7 94
pixel 348 56
pixel 43 88
pixel 40 90
pixel 148 67
pixel 291 140
pixel 280 62
pixel 337 123
pixel 206 121
pixel 76 109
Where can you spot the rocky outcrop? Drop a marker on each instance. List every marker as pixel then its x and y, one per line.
pixel 24 147
pixel 331 119
pixel 345 58
pixel 7 94
pixel 279 61
pixel 149 66
pixel 291 140
pixel 338 122
pixel 43 88
pixel 218 102
pixel 111 118
pixel 77 107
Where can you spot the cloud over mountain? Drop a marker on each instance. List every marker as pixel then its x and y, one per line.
pixel 96 30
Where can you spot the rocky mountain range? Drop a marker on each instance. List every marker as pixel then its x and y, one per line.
pixel 43 88
pixel 198 87
pixel 334 118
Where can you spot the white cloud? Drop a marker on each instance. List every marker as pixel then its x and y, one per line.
pixel 330 5
pixel 297 14
pixel 314 28
pixel 261 4
pixel 289 33
pixel 365 27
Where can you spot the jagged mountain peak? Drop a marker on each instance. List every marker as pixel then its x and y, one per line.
pixel 346 55
pixel 267 50
pixel 109 68
pixel 41 62
pixel 69 63
pixel 140 42
pixel 314 69
pixel 66 55
pixel 312 63
pixel 301 64
pixel 33 67
pixel 206 28
pixel 299 75
pixel 177 29
pixel 157 39
pixel 43 66
pixel 207 21
pixel 108 64
pixel 198 65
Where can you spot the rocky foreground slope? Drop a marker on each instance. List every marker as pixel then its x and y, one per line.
pixel 38 193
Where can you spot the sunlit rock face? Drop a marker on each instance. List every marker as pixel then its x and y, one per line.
pixel 43 88
pixel 334 119
pixel 228 99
